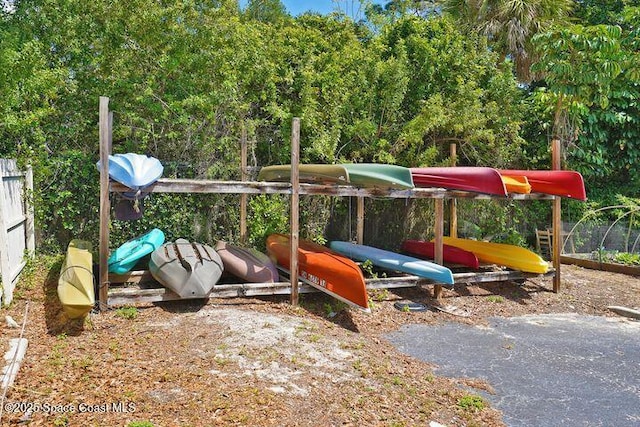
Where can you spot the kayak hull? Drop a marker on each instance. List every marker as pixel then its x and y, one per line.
pixel 323 268
pixel 123 259
pixel 561 183
pixel 75 284
pixel 450 254
pixel 376 175
pixel 394 261
pixel 249 265
pixel 188 269
pixel 135 171
pixel 464 178
pixel 511 256
pixel 309 173
pixel 365 175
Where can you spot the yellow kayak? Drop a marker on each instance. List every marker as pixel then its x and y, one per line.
pixel 75 285
pixel 516 184
pixel 310 173
pixel 511 256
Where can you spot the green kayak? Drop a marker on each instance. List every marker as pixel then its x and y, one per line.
pixel 379 175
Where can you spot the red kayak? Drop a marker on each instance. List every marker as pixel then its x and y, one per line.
pixel 555 182
pixel 465 178
pixel 323 269
pixel 451 254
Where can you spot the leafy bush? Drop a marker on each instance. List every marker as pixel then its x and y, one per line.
pixel 627 258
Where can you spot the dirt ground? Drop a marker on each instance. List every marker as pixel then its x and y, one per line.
pixel 263 362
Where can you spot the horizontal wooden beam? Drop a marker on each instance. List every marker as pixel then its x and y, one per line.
pixel 135 294
pixel 168 185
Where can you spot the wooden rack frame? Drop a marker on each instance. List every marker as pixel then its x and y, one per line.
pixel 294 189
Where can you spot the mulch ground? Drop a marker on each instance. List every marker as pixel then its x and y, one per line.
pixel 263 362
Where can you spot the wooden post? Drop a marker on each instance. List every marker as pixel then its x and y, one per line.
pixel 243 178
pixel 556 157
pixel 438 230
pixel 360 220
pixel 453 203
pixel 30 224
pixel 295 196
pixel 105 148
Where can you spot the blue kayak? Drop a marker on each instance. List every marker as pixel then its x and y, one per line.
pixel 135 171
pixel 126 256
pixel 394 261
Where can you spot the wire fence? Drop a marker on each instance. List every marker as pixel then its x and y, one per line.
pixel 593 237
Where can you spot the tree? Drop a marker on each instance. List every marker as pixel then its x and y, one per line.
pixel 510 25
pixel 28 90
pixel 455 93
pixel 585 68
pixel 607 148
pixel 597 12
pixel 272 11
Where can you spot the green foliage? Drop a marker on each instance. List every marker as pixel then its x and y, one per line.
pixel 581 62
pixel 471 402
pixel 591 84
pixel 129 313
pixel 140 424
pixel 496 221
pixel 597 12
pixel 268 215
pixel 185 77
pixel 66 205
pixel 28 89
pixel 627 258
pixel 367 268
pixel 272 11
pixel 510 25
pixel 455 94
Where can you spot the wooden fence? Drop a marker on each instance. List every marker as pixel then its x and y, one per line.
pixel 17 237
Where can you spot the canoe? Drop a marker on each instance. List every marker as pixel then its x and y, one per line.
pixel 188 269
pixel 136 171
pixel 309 173
pixel 250 265
pixel 465 178
pixel 450 254
pixel 555 182
pixel 75 284
pixel 126 256
pixel 511 256
pixel 516 184
pixel 366 175
pixel 394 261
pixel 323 269
pixel 376 175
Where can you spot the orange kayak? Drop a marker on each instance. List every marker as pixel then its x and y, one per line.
pixel 323 268
pixel 516 184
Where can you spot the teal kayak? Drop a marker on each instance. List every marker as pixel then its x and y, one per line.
pixel 378 175
pixel 394 261
pixel 126 256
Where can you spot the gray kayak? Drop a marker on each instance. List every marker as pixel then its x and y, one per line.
pixel 188 269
